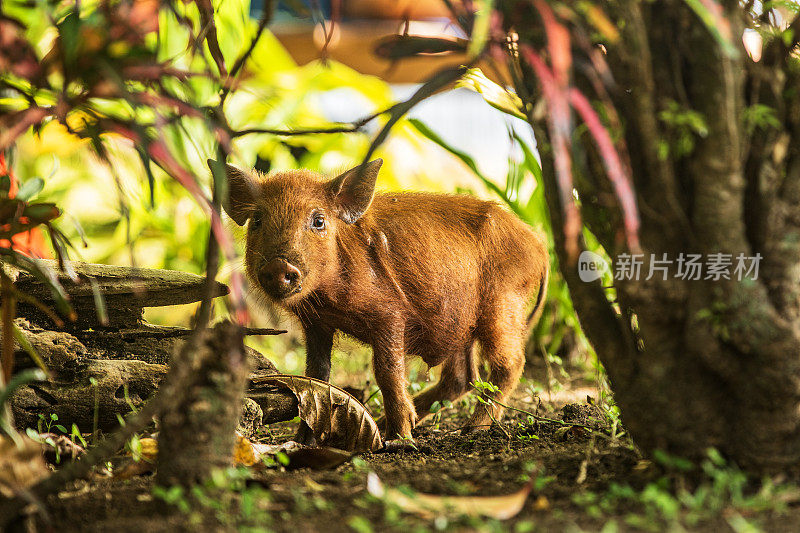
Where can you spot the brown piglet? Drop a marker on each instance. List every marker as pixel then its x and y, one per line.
pixel 408 273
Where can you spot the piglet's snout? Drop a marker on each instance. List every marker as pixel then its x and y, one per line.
pixel 280 278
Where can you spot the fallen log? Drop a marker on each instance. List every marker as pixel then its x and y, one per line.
pixel 126 291
pixel 99 373
pixel 92 396
pixel 98 392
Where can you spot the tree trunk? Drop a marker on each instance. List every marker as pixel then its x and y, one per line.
pixel 197 435
pixel 694 364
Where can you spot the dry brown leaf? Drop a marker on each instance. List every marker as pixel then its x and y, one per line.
pixel 148 449
pixel 541 503
pixel 335 417
pixel 21 465
pixel 317 458
pixel 297 455
pixel 130 469
pixel 430 506
pixel 243 452
pixel 148 453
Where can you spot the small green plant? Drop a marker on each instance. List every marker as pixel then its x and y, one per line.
pixel 526 430
pixel 436 410
pixel 671 502
pixel 46 423
pixel 96 412
pixel 47 426
pixel 226 496
pixel 759 116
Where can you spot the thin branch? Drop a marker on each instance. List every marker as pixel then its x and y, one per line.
pixel 590 429
pixel 346 127
pixel 266 17
pixel 174 333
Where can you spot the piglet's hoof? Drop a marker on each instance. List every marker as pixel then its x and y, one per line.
pixel 400 445
pixel 470 429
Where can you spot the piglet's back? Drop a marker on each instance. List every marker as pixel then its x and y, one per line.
pixel 443 244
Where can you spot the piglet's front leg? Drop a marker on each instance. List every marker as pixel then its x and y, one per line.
pixel 388 361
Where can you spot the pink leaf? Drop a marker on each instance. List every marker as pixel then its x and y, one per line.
pixel 560 127
pixel 558 43
pixel 619 179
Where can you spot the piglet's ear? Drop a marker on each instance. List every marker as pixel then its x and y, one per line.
pixel 241 192
pixel 353 190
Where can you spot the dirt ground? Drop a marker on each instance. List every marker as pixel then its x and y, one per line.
pixel 564 464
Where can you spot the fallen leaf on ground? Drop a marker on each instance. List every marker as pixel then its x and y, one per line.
pixel 541 503
pixel 243 452
pixel 21 465
pixel 146 464
pixel 336 418
pixel 298 456
pixel 430 506
pixel 317 458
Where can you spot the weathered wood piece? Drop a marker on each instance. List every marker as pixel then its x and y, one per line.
pixel 126 291
pixel 122 386
pixel 104 389
pixel 119 365
pixel 278 404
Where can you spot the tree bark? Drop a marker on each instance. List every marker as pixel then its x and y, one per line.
pixel 706 363
pixel 197 435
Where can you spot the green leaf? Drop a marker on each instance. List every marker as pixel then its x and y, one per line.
pixel 495 95
pixel 39 213
pixel 5 184
pixel 531 161
pixel 30 189
pixel 69 31
pixel 480 27
pixel 99 301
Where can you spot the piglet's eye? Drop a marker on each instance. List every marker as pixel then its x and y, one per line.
pixel 318 222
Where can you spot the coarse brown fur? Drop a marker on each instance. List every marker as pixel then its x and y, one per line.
pixel 407 273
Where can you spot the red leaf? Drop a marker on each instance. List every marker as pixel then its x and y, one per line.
pixel 558 43
pixel 619 179
pixel 15 124
pixel 210 29
pixel 560 127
